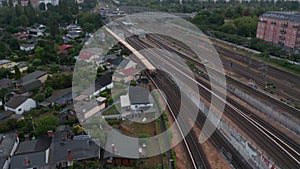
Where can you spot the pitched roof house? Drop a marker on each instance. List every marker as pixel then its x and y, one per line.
pixel 20 104
pixel 139 98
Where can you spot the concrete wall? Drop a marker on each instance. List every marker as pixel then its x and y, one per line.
pixel 281 117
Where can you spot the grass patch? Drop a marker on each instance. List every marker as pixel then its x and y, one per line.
pixel 286 65
pixel 111 111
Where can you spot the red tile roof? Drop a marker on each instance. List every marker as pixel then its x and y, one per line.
pixel 85 55
pixel 65 46
pixel 129 71
pixel 20 35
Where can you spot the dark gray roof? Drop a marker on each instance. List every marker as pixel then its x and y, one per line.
pixel 103 81
pixel 16 101
pixel 5 114
pixel 2 161
pixel 60 94
pixel 26 147
pixel 138 95
pixel 31 84
pixel 37 160
pixel 5 83
pixel 289 16
pixel 80 149
pixel 4 61
pixel 124 63
pixel 40 144
pixel 116 61
pixel 109 57
pixel 34 75
pixel 6 144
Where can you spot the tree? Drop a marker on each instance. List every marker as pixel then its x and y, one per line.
pixel 48 91
pixel 42 6
pixel 39 97
pixel 11 123
pixel 37 62
pixel 39 52
pixel 88 27
pixel 17 73
pixel 22 21
pixel 3 93
pixel 5 51
pixel 44 124
pixel 246 26
pixel 30 69
pixel 4 73
pixel 14 44
pixel 77 129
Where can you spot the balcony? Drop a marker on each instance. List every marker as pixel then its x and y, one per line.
pixel 281 43
pixel 265 21
pixel 296 26
pixel 285 25
pixel 283 31
pixel 281 37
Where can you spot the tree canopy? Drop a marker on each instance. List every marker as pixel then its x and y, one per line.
pixel 44 124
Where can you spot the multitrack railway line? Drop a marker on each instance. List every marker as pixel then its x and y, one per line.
pixel 217 139
pixel 172 94
pixel 285 156
pixel 262 74
pixel 165 84
pixel 276 104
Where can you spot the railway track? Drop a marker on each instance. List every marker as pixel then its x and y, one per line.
pixel 172 93
pixel 262 74
pixel 285 155
pixel 277 104
pixel 217 139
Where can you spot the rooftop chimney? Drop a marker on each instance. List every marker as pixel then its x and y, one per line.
pixel 70 158
pixel 113 148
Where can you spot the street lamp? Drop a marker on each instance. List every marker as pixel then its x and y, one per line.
pixel 32 123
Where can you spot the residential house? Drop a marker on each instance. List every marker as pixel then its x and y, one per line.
pixel 61 97
pixel 64 150
pixel 40 75
pixel 102 83
pixel 63 49
pixel 35 32
pixel 42 143
pixel 124 75
pixel 91 55
pixel 7 64
pixel 21 35
pixel 22 67
pixel 109 57
pixel 139 98
pixel 73 34
pixel 27 47
pixel 117 153
pixel 20 104
pixel 122 63
pixel 28 86
pixel 30 160
pixel 8 145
